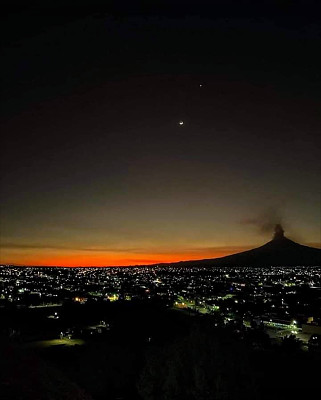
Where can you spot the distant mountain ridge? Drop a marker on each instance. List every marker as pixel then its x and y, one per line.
pixel 280 251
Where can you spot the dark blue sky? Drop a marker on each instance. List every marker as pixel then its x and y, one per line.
pixel 97 170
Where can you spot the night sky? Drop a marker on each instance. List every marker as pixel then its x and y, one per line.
pixel 95 166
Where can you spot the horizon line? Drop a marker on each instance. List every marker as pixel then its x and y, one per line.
pixel 245 248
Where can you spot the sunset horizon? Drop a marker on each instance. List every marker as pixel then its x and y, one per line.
pixel 142 259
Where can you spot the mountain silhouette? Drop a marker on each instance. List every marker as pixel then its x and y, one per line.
pixel 280 251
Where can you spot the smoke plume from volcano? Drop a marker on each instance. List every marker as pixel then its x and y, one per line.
pixel 268 221
pixel 278 232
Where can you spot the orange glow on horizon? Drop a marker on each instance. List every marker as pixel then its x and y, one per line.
pixel 101 260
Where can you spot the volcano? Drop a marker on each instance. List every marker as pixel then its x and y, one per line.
pixel 280 251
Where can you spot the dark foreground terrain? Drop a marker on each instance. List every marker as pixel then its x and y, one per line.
pixel 149 351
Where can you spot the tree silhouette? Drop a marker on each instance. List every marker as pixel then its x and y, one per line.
pixel 290 343
pixel 198 367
